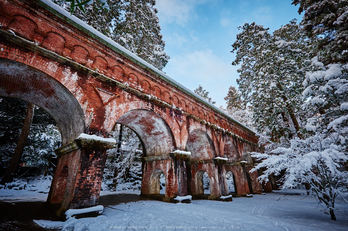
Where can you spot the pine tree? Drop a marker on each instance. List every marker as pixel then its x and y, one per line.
pixel 132 23
pixel 327 20
pixel 233 99
pixel 204 94
pixel 271 75
pixel 320 159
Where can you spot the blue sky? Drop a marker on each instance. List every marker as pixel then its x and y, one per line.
pixel 199 35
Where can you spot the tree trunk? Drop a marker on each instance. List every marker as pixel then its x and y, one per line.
pixel 332 213
pixel 11 170
pixel 291 113
pixel 120 139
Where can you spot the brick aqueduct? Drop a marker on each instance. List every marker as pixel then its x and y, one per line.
pixel 88 83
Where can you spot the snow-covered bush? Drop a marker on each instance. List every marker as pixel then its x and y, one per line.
pixel 321 158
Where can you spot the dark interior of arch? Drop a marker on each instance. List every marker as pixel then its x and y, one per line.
pixel 153 131
pixel 20 81
pixel 200 145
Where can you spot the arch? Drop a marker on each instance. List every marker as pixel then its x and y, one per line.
pixel 118 73
pixel 200 145
pixel 100 63
pixel 79 54
pixel 155 181
pixel 183 104
pixel 175 101
pixel 133 80
pixel 189 108
pixel 166 97
pixel 20 81
pixel 23 26
pixel 54 42
pixel 145 85
pixel 231 185
pixel 202 183
pixel 156 91
pixel 230 150
pixel 153 131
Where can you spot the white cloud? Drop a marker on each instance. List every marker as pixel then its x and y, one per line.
pixel 203 68
pixel 177 11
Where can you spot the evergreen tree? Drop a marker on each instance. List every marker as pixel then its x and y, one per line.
pixel 204 94
pixel 320 159
pixel 271 75
pixel 233 99
pixel 328 21
pixel 132 23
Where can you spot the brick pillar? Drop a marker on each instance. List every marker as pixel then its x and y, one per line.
pixel 241 181
pixel 222 175
pixel 153 166
pixel 77 180
pixel 181 172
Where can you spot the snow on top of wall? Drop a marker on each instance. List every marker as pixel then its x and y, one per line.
pixel 182 152
pixel 221 158
pixel 98 138
pixel 133 56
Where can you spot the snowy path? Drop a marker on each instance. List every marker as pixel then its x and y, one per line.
pixel 262 212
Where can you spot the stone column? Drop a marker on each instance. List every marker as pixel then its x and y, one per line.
pixel 77 180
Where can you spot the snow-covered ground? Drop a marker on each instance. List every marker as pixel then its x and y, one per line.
pixel 284 210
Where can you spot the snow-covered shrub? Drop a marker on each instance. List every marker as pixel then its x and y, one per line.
pixel 321 158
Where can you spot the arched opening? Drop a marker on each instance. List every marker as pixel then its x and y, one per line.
pixel 231 186
pixel 200 145
pixel 27 152
pixel 142 136
pixel 202 154
pixel 153 131
pixel 162 184
pixel 26 83
pixel 157 182
pixel 202 183
pixel 20 81
pixel 123 167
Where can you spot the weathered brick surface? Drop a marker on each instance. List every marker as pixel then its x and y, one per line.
pixel 87 85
